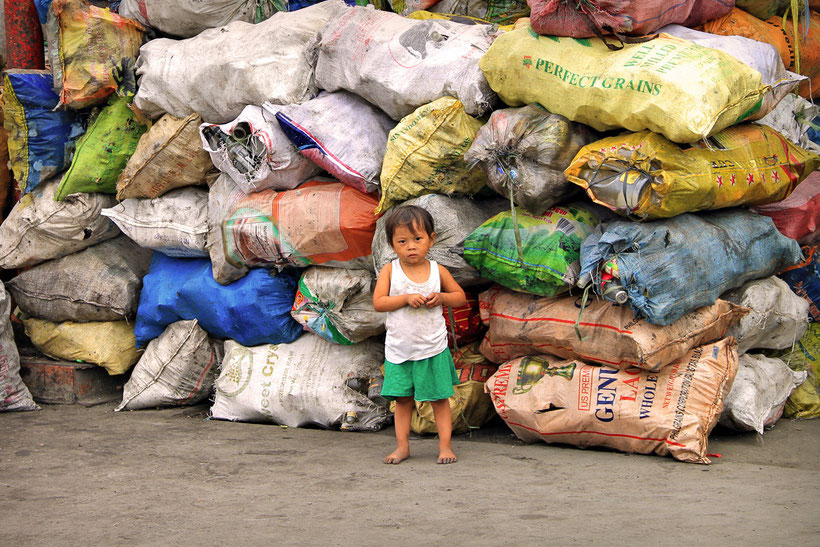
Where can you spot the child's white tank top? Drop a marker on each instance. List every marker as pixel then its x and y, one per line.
pixel 419 333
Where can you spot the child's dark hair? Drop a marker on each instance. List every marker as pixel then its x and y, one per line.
pixel 410 216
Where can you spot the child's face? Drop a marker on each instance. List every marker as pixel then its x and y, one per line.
pixel 411 243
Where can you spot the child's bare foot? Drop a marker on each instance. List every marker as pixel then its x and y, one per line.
pixel 397 456
pixel 446 455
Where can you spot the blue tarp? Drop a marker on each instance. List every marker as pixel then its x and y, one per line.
pixel 673 266
pixel 253 310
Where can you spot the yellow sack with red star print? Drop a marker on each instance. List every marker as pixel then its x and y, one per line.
pixel 645 176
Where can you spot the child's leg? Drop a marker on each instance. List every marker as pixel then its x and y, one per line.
pixel 444 424
pixel 402 416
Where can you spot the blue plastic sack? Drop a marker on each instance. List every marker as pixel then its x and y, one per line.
pixel 804 280
pixel 253 310
pixel 40 139
pixel 673 266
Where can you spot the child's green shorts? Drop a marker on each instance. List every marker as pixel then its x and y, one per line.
pixel 428 379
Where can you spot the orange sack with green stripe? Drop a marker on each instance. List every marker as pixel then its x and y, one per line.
pixel 645 176
pixel 670 412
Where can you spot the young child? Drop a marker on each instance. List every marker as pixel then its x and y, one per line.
pixel 418 364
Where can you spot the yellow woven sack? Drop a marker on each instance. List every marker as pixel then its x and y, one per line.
pixel 645 176
pixel 425 154
pixel 668 85
pixel 110 344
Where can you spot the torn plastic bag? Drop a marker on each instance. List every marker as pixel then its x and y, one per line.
pixel 87 44
pixel 798 216
pixel 255 152
pixel 673 266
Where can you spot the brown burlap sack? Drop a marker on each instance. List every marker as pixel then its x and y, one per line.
pixel 169 155
pixel 525 324
pixel 670 412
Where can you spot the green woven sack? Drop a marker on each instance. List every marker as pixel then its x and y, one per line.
pixel 547 261
pixel 103 151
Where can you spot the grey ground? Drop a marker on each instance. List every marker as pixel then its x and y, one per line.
pixel 76 475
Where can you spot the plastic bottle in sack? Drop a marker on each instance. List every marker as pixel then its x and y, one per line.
pixel 612 289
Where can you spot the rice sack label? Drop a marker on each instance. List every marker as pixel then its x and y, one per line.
pixel 668 85
pixel 319 223
pixel 670 412
pixel 548 261
pixel 524 324
pixel 646 176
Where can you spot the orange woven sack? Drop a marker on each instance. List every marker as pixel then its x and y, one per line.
pixel 741 23
pixel 807 52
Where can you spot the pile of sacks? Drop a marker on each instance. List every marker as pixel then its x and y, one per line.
pixel 204 210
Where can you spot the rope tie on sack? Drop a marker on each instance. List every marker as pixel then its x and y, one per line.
pixel 510 182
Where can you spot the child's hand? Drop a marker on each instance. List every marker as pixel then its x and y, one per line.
pixel 434 299
pixel 415 300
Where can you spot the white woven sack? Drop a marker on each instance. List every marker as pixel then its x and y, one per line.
pixel 301 383
pixel 186 18
pixel 177 368
pixel 175 224
pixel 759 393
pixel 220 71
pixel 399 64
pixel 39 229
pixel 14 395
pixel 777 317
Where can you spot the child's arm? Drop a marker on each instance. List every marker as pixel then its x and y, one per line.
pixel 382 301
pixel 451 292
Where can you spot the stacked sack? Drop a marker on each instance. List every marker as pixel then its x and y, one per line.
pixel 649 351
pixel 590 182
